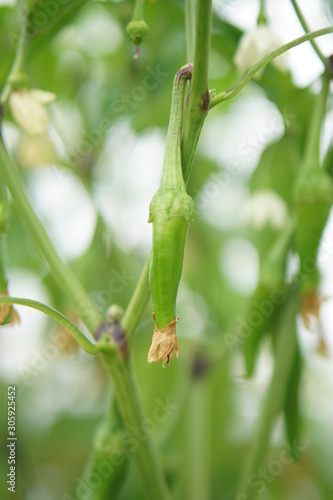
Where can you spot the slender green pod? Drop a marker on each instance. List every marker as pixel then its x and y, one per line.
pixel 267 298
pixel 313 197
pixel 171 211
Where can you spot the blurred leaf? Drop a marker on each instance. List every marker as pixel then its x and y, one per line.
pixel 278 168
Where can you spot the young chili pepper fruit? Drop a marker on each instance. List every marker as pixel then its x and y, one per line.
pixel 269 294
pixel 171 211
pixel 314 197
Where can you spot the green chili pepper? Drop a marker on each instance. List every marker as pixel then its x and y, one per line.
pixel 267 298
pixel 171 211
pixel 314 196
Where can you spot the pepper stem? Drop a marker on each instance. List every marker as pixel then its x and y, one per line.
pixel 138 9
pixel 172 177
pixel 312 153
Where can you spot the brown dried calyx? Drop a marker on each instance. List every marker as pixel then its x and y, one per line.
pixel 310 306
pixel 8 315
pixel 164 343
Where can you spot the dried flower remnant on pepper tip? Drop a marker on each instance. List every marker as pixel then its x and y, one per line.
pixel 310 306
pixel 164 343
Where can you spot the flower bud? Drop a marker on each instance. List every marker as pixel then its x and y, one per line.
pixel 28 109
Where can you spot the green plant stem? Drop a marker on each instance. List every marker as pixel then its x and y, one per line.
pixel 285 357
pixel 76 333
pixel 198 440
pixel 18 61
pixel 190 29
pixel 312 152
pixel 262 14
pixel 228 94
pixel 3 274
pixel 3 236
pixel 142 447
pixel 172 175
pixel 64 276
pixel 307 30
pixel 138 9
pixel 137 304
pixel 198 102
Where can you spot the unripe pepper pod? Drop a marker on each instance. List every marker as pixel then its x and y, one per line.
pixel 271 280
pixel 314 197
pixel 171 211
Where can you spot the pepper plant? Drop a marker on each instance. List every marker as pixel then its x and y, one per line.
pixel 172 432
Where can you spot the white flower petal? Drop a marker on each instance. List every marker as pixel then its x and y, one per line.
pixel 28 109
pixel 42 96
pixel 36 150
pixel 256 44
pixel 265 207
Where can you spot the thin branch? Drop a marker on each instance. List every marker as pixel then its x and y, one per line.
pixel 306 28
pixel 17 62
pixel 312 151
pixel 137 303
pixel 138 9
pixel 76 333
pixel 190 28
pixel 228 94
pixel 198 104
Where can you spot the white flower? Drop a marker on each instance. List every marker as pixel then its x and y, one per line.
pixel 265 207
pixel 29 110
pixel 36 150
pixel 256 44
